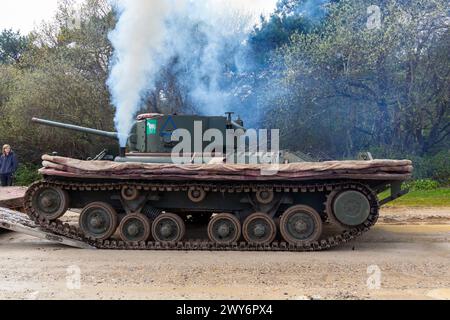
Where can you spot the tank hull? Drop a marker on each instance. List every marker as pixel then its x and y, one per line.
pixel 299 207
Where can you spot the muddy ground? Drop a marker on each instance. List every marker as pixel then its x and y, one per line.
pixel 407 256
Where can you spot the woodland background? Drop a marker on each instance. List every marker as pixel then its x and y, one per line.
pixel 332 82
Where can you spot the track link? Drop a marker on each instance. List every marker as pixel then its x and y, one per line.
pixel 72 232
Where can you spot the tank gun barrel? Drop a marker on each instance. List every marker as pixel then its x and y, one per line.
pixel 111 135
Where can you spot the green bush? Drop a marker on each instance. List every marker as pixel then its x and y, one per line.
pixel 26 175
pixel 435 167
pixel 423 185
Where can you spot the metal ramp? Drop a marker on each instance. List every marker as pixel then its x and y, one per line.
pixel 19 222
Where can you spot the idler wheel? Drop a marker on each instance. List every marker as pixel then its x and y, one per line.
pixel 50 202
pixel 259 229
pixel 98 221
pixel 196 195
pixel 135 228
pixel 168 227
pixel 301 225
pixel 350 208
pixel 130 193
pixel 224 229
pixel 265 197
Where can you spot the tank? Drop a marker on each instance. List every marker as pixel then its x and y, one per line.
pixel 148 199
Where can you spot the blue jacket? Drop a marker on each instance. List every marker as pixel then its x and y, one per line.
pixel 8 164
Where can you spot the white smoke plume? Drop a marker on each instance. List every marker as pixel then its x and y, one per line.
pixel 137 40
pixel 223 30
pixel 149 33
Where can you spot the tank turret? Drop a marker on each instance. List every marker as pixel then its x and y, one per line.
pixel 151 139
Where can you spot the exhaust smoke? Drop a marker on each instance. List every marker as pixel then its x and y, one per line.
pixel 137 41
pixel 151 34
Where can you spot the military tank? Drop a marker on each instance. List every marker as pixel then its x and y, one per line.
pixel 143 199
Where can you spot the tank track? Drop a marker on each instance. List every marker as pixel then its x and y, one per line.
pixel 72 232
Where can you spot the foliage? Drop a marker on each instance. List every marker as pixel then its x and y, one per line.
pixel 274 32
pixel 26 175
pixel 423 185
pixel 436 167
pixel 387 87
pixel 12 46
pixel 61 77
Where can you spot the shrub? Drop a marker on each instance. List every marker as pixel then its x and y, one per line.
pixel 440 167
pixel 26 175
pixel 423 185
pixel 435 167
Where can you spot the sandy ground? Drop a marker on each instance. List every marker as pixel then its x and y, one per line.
pixel 407 256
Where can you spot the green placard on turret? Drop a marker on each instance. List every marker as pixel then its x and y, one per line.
pixel 152 127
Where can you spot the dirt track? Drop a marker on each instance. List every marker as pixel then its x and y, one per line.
pixel 411 248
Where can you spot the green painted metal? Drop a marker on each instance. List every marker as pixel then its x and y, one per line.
pixel 98 222
pixel 134 229
pixel 111 135
pixel 351 208
pixel 301 226
pixel 152 138
pixel 154 134
pixel 51 202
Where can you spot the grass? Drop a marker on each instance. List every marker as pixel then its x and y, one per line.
pixel 431 198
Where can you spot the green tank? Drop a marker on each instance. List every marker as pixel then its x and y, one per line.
pixel 147 199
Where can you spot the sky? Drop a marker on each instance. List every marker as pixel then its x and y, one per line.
pixel 25 15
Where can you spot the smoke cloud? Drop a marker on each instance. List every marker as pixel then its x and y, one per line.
pixel 313 9
pixel 149 34
pixel 138 42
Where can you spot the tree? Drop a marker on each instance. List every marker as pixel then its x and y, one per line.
pixel 12 46
pixel 276 31
pixel 354 88
pixel 62 77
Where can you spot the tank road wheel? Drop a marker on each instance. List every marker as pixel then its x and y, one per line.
pixel 224 229
pixel 350 208
pixel 259 228
pixel 301 225
pixel 98 221
pixel 135 228
pixel 168 227
pixel 51 203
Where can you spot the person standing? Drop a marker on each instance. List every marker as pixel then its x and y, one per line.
pixel 8 166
